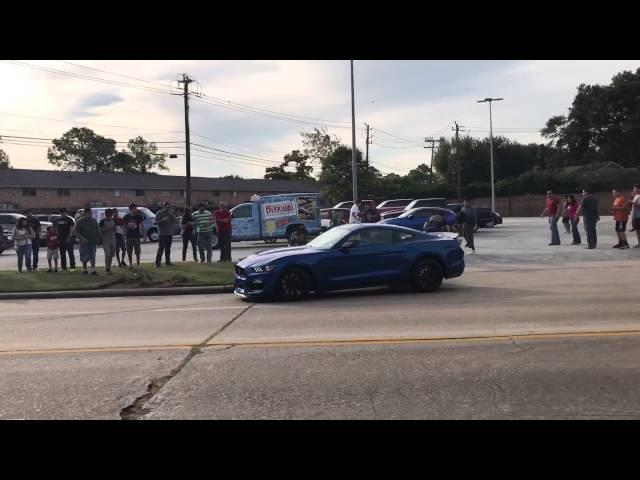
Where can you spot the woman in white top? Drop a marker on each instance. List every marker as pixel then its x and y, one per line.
pixel 22 238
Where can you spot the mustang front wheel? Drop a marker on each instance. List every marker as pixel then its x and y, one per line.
pixel 426 275
pixel 293 284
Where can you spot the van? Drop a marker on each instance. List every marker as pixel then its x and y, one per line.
pixel 149 229
pixel 293 216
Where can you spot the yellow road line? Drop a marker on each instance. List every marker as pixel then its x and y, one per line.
pixel 335 342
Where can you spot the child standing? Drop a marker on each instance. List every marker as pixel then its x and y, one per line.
pixel 52 248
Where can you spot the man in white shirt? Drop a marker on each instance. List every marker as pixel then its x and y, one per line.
pixel 635 215
pixel 354 216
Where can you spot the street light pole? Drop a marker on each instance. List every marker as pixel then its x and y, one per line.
pixel 493 183
pixel 354 166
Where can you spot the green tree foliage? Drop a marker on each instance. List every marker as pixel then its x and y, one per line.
pixel 80 149
pixel 319 145
pixel 4 160
pixel 336 175
pixel 302 170
pixel 145 156
pixel 603 124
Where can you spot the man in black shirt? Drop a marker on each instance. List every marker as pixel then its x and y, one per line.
pixel 65 226
pixel 133 226
pixel 589 210
pixel 34 224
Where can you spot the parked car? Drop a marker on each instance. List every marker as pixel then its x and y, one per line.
pixel 417 217
pixel 486 218
pixel 393 205
pixel 5 243
pixel 391 214
pixel 327 215
pixel 351 256
pixel 427 202
pixel 8 222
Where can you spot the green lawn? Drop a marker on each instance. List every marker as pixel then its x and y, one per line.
pixel 181 275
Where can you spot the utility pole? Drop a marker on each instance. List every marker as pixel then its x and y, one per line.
pixel 354 165
pixel 456 152
pixel 493 187
pixel 432 147
pixel 186 81
pixel 367 148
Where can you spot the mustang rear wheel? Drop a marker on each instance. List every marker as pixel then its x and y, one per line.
pixel 293 284
pixel 426 275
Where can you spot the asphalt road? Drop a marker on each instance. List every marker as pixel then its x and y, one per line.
pixel 527 338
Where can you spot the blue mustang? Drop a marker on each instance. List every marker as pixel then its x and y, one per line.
pixel 352 256
pixel 417 217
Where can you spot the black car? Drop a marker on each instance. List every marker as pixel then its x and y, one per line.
pixel 5 243
pixel 486 218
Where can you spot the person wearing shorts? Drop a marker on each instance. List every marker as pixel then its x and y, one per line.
pixel 133 226
pixel 52 248
pixel 620 216
pixel 88 233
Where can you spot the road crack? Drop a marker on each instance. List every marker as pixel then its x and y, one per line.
pixel 138 408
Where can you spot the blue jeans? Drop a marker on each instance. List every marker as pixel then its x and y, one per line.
pixel 574 230
pixel 590 228
pixel 553 226
pixel 24 252
pixel 205 242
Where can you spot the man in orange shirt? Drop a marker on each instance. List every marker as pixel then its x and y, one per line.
pixel 620 215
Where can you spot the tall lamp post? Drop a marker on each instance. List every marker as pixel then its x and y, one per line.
pixel 493 183
pixel 354 166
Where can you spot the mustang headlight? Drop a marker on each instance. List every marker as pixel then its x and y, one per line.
pixel 263 268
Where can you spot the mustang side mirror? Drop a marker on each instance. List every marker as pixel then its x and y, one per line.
pixel 349 245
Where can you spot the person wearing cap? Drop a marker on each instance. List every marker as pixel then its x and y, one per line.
pixel 552 211
pixel 65 226
pixel 166 221
pixel 589 209
pixel 133 224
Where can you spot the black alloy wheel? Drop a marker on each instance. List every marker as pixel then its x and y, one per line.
pixel 426 275
pixel 293 284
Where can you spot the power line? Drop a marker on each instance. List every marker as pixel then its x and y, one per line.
pixel 113 73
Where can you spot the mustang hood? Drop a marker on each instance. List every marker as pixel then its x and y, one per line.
pixel 268 256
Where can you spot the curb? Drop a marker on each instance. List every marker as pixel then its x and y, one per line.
pixel 122 292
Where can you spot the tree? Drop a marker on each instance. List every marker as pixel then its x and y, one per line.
pixel 302 170
pixel 420 175
pixel 4 160
pixel 602 124
pixel 337 177
pixel 319 145
pixel 145 156
pixel 80 149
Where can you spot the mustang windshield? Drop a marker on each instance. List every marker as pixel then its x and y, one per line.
pixel 329 238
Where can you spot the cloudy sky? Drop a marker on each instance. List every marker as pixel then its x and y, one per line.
pixel 252 112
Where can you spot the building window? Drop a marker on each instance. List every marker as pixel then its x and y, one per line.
pixel 64 192
pixel 216 193
pixel 182 193
pixel 166 193
pixel 28 192
pixel 116 193
pixel 139 193
pixel 234 194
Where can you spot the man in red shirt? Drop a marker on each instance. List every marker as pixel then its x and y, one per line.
pixel 552 210
pixel 223 227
